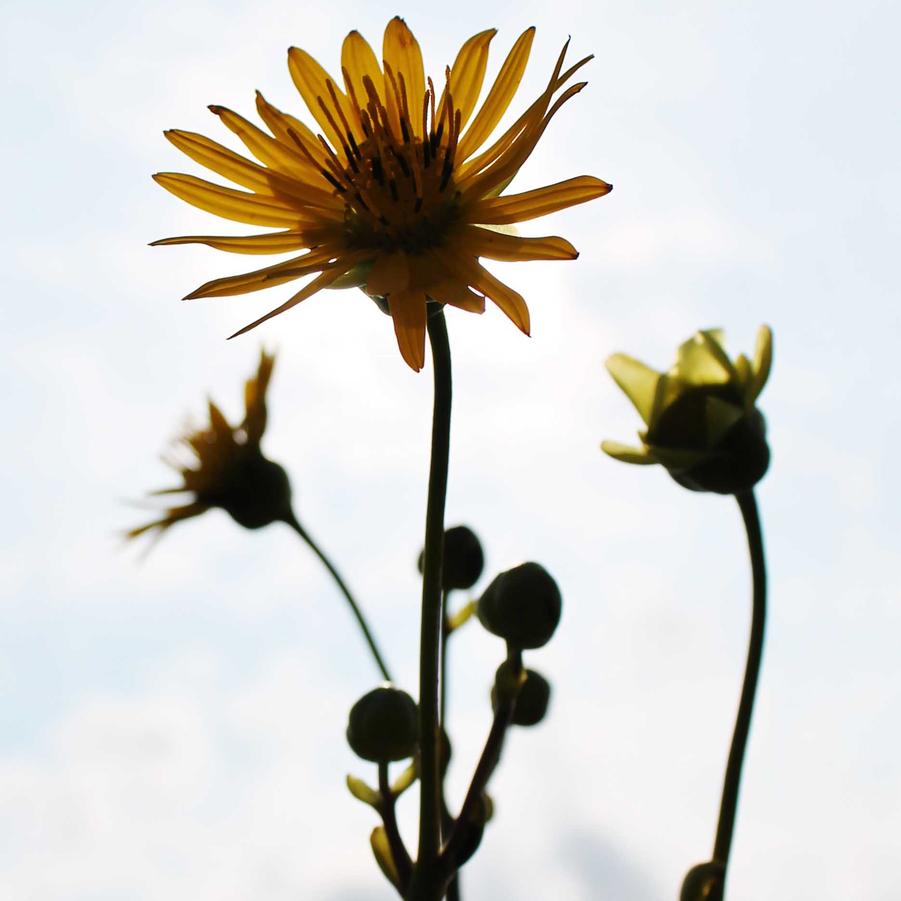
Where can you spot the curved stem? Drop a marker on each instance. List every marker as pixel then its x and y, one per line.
pixel 729 805
pixel 425 885
pixel 355 608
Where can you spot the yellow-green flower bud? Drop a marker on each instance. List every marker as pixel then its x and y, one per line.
pixel 463 558
pixel 383 725
pixel 522 606
pixel 702 422
pixel 703 882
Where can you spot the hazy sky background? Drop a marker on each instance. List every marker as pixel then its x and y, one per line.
pixel 172 729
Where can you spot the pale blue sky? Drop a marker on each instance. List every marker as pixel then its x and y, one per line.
pixel 173 728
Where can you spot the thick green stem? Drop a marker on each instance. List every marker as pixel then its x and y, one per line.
pixel 729 804
pixel 426 878
pixel 355 608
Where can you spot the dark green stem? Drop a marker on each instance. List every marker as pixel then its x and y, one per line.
pixel 355 608
pixel 491 755
pixel 729 805
pixel 426 879
pixel 389 817
pixel 453 888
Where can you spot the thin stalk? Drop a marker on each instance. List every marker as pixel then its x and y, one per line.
pixel 389 818
pixel 426 878
pixel 729 805
pixel 491 755
pixel 342 585
pixel 453 888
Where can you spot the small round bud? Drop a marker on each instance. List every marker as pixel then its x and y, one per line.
pixel 256 493
pixel 531 701
pixel 522 606
pixel 703 882
pixel 383 725
pixel 463 558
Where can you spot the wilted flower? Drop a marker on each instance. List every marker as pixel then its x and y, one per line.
pixel 701 421
pixel 394 194
pixel 231 471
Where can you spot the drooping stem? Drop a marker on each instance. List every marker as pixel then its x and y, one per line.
pixel 729 804
pixel 426 879
pixel 342 585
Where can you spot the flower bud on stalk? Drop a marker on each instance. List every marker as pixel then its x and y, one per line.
pixel 522 606
pixel 532 698
pixel 382 726
pixel 463 558
pixel 702 422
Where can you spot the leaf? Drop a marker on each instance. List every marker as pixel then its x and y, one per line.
pixel 382 851
pixel 362 792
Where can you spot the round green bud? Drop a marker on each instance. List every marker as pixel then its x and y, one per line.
pixel 383 725
pixel 463 558
pixel 257 491
pixel 522 606
pixel 531 701
pixel 704 882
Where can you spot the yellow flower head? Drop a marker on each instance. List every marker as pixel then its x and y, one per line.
pixel 702 423
pixel 395 192
pixel 231 471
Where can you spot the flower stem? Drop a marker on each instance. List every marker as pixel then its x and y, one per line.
pixel 354 606
pixel 426 879
pixel 389 818
pixel 729 804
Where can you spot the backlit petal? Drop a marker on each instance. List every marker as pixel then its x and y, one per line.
pixel 312 81
pixel 275 242
pixel 408 311
pixel 510 302
pixel 638 381
pixel 358 61
pixel 627 454
pixel 763 361
pixel 539 202
pixel 499 97
pixel 485 242
pixel 401 52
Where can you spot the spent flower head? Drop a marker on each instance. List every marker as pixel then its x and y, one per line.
pixel 398 193
pixel 701 418
pixel 228 469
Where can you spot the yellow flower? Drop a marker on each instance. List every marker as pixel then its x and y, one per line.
pixel 702 423
pixel 398 194
pixel 231 471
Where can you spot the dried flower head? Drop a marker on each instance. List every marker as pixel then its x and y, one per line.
pixel 229 469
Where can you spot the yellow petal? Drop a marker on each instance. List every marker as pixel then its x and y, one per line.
pixel 510 302
pixel 312 82
pixel 505 167
pixel 274 242
pixel 291 132
pixel 702 361
pixel 468 73
pixel 763 361
pixel 457 295
pixel 267 277
pixel 539 202
pixel 511 248
pixel 255 399
pixel 639 382
pixel 627 454
pixel 322 281
pixel 408 311
pixel 254 209
pixel 390 272
pixel 401 53
pixel 358 61
pixel 499 97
